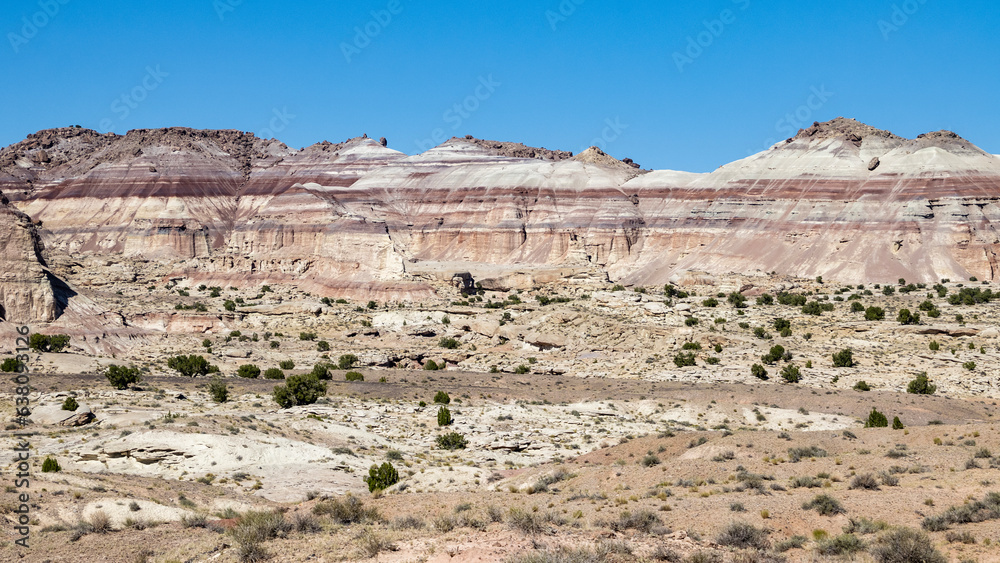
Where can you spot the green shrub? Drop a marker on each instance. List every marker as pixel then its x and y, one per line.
pixel 218 390
pixel 683 359
pixel 121 377
pixel 252 529
pixel 348 511
pixel 442 398
pixel 229 305
pixel 905 317
pixel 691 346
pixel 759 372
pixel 797 454
pixel 876 420
pixel 790 373
pixel 896 423
pixel 249 371
pixel 274 373
pixel 451 441
pixel 444 416
pixel 58 342
pixel 354 376
pixel 842 545
pixel 50 465
pixel 307 336
pixel 190 366
pixel 449 343
pixel 521 369
pixel 737 300
pixel 920 385
pixel 691 321
pixel 381 477
pixel 843 358
pixel 299 390
pixel 286 364
pixel 347 361
pixel 776 353
pixel 323 346
pixel 431 365
pixel 970 365
pixel 874 314
pixel 11 365
pixel 857 307
pixel 825 505
pixel 322 370
pixel 70 404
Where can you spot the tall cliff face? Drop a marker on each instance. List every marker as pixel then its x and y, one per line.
pixel 26 293
pixel 840 199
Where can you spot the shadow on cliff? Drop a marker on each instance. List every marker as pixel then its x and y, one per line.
pixel 61 291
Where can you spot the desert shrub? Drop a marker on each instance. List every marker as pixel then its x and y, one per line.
pixel 758 371
pixel 444 416
pixel 794 542
pixel 743 535
pixel 864 526
pixel 641 520
pixel 121 377
pixel 347 361
pixel 11 365
pixel 905 317
pixel 765 299
pixel 813 308
pixel 781 324
pixel 323 346
pixel 522 369
pixel 683 359
pixel 70 404
pixel 970 365
pixel 876 420
pixel 896 423
pixel 843 358
pixel 649 460
pixel 920 385
pixel 431 365
pixel 286 364
pixel 307 336
pixel 691 321
pixel 451 441
pixel 249 371
pixel 58 342
pixel 710 302
pixel 691 346
pixel 274 373
pixel 442 398
pixel 857 307
pixel 865 481
pixel 905 545
pixel 350 510
pixel 973 511
pixel 843 545
pixel 775 354
pixel 218 390
pixel 861 386
pixel 100 523
pixel 299 390
pixel 381 477
pixel 790 373
pixel 737 300
pixel 50 465
pixel 796 454
pixel 253 528
pixel 825 505
pixel 874 313
pixel 525 521
pixel 190 366
pixel 449 343
pixel 322 370
pixel 759 332
pixel 354 376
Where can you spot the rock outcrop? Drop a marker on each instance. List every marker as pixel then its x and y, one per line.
pixel 26 292
pixel 841 199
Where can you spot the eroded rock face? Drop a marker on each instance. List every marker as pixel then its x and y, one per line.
pixel 840 199
pixel 26 294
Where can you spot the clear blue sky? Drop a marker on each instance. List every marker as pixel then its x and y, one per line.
pixel 553 73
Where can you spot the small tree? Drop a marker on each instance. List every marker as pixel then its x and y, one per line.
pixel 307 336
pixel 876 420
pixel 190 366
pixel 920 385
pixel 905 317
pixel 121 377
pixel 299 390
pixel 759 372
pixel 431 365
pixel 323 346
pixel 381 477
pixel 50 465
pixel 896 423
pixel 38 342
pixel 58 342
pixel 444 416
pixel 347 361
pixel 249 371
pixel 354 376
pixel 790 373
pixel 449 343
pixel 442 398
pixel 274 373
pixel 451 441
pixel 218 390
pixel 229 305
pixel 11 365
pixel 874 314
pixel 683 359
pixel 70 404
pixel 862 385
pixel 322 371
pixel 843 359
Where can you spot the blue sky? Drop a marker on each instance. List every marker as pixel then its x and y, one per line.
pixel 681 85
